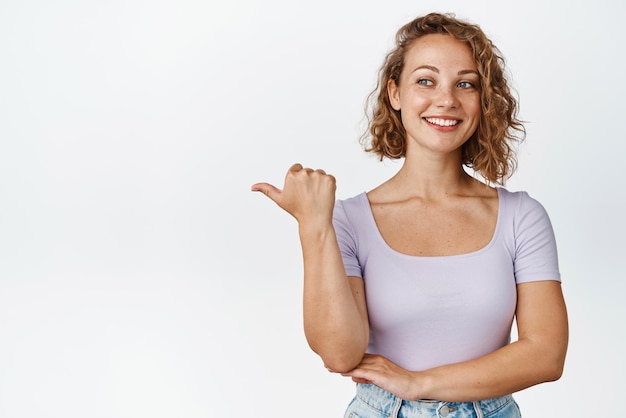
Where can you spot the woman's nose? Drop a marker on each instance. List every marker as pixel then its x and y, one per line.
pixel 446 97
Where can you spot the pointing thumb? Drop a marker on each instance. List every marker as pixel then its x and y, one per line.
pixel 269 190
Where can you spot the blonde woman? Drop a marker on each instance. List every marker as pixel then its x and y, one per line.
pixel 411 288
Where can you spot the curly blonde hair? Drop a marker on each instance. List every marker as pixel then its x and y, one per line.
pixel 489 151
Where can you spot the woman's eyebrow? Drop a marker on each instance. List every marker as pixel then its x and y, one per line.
pixel 436 70
pixel 427 67
pixel 463 72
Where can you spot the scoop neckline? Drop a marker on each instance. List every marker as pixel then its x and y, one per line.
pixel 379 236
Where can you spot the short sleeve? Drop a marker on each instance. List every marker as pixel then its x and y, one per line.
pixel 347 240
pixel 536 256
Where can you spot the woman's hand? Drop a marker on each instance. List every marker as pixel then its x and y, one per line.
pixel 308 195
pixel 382 372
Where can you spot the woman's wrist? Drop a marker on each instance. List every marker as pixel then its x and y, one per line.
pixel 421 385
pixel 315 230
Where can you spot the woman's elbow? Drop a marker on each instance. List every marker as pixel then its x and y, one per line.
pixel 553 365
pixel 340 360
pixel 555 371
pixel 341 363
pixel 339 355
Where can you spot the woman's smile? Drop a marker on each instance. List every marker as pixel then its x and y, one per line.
pixel 443 123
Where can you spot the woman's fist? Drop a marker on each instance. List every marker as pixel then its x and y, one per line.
pixel 308 195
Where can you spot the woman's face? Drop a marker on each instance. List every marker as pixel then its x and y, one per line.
pixel 438 95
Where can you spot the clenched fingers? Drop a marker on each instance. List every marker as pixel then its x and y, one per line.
pixel 307 194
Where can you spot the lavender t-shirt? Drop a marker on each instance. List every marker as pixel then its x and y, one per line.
pixel 430 311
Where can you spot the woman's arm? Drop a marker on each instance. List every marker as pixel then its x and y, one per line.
pixel 335 316
pixel 537 356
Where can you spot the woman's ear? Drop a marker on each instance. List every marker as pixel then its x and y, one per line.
pixel 394 94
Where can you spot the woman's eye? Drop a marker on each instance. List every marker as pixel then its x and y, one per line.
pixel 424 82
pixel 466 84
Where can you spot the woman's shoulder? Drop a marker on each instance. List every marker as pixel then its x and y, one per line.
pixel 352 203
pixel 350 214
pixel 520 203
pixel 521 197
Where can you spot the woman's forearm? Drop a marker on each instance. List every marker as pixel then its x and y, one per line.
pixel 514 367
pixel 334 326
pixel 538 356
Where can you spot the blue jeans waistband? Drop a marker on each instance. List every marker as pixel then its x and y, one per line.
pixel 380 403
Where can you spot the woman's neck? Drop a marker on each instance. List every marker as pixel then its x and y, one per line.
pixel 433 176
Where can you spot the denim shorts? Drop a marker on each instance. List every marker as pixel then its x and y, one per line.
pixel 373 402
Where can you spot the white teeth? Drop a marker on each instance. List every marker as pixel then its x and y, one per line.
pixel 442 122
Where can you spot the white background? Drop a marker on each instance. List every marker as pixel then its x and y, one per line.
pixel 139 276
